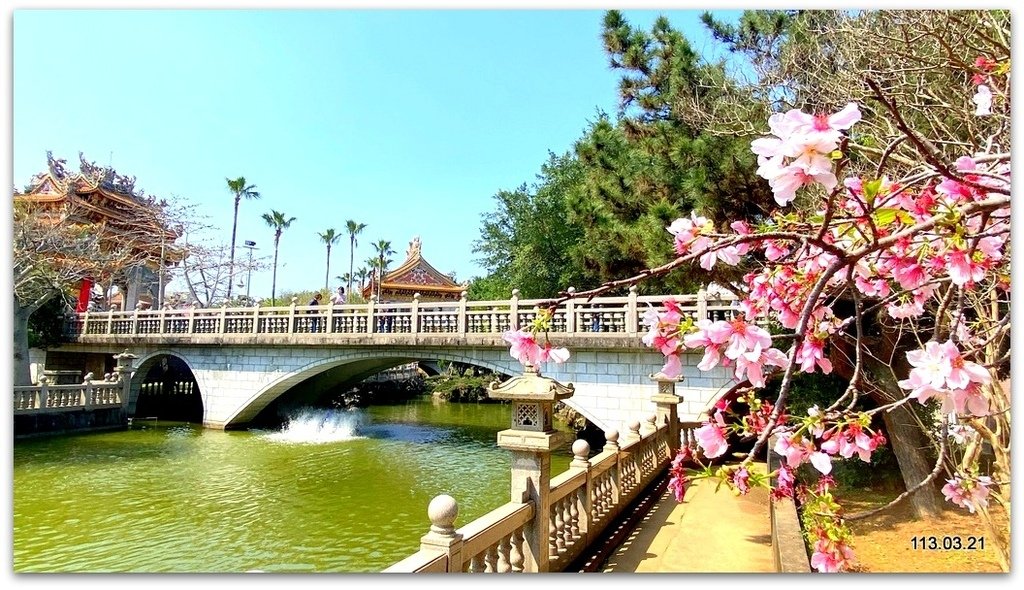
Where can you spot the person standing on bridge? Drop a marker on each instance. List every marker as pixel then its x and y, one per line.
pixel 339 297
pixel 314 324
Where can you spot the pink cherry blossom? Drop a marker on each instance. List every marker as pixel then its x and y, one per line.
pixel 967 492
pixel 831 556
pixel 711 438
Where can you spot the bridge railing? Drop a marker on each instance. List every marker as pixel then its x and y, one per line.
pixel 617 315
pixel 581 503
pixel 89 395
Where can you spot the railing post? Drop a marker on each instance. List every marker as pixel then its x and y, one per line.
pixel 513 312
pixel 135 321
pixel 256 319
pixel 163 319
pixel 702 304
pixel 442 537
pixel 370 328
pixel 462 320
pixel 191 328
pixel 123 371
pixel 633 432
pixel 581 462
pixel 291 316
pixel 667 403
pixel 570 312
pixel 631 312
pixel 110 321
pixel 44 392
pixel 415 319
pixel 330 318
pixel 85 324
pixel 87 390
pixel 648 426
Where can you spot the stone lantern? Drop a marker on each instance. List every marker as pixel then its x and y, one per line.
pixel 668 407
pixel 531 439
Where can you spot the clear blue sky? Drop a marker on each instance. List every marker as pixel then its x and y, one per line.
pixel 406 120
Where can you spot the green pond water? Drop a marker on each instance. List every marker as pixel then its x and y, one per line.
pixel 331 491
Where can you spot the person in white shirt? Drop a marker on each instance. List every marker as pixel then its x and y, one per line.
pixel 339 296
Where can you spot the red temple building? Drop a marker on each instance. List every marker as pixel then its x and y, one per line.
pixel 99 195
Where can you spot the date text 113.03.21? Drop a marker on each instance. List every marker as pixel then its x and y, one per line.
pixel 934 543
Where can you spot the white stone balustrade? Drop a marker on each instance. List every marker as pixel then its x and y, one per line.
pixel 602 315
pixel 89 395
pixel 582 502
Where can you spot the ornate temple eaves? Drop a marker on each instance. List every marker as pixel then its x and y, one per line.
pixel 416 275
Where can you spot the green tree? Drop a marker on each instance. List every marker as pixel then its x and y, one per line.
pixel 239 188
pixel 354 229
pixel 654 163
pixel 527 242
pixel 329 238
pixel 276 221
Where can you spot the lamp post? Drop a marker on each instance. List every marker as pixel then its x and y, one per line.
pixel 250 245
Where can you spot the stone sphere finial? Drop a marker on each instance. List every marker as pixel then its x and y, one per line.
pixel 632 289
pixel 515 292
pixel 463 295
pixel 416 296
pixel 611 435
pixel 652 419
pixel 580 450
pixel 442 513
pixel 634 426
pixel 571 290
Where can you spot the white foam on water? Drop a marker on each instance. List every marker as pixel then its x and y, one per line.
pixel 318 426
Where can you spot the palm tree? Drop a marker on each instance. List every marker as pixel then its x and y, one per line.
pixel 240 189
pixel 353 230
pixel 344 278
pixel 383 248
pixel 362 274
pixel 276 220
pixel 373 272
pixel 330 238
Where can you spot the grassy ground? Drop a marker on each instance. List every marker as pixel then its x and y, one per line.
pixel 885 542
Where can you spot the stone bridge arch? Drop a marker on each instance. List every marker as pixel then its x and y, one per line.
pixel 178 386
pixel 355 367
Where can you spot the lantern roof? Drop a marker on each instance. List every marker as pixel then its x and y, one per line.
pixel 530 386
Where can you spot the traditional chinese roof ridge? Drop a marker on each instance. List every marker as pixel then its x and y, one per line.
pixel 412 263
pixel 117 199
pixel 416 275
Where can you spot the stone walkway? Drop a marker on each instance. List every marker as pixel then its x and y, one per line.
pixel 710 532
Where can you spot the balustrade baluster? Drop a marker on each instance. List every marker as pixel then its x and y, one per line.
pixel 552 536
pixel 503 555
pixel 516 557
pixel 567 523
pixel 476 565
pixel 491 559
pixel 575 501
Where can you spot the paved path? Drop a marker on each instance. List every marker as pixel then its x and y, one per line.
pixel 710 532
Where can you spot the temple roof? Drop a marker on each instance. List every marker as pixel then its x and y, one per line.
pixel 100 195
pixel 416 275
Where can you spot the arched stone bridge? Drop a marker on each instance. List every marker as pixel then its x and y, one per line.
pixel 244 358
